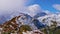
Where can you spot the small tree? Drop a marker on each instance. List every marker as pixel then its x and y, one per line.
pixel 54 23
pixel 24 28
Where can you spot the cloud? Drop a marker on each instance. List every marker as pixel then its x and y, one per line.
pixel 47 11
pixel 9 6
pixel 32 10
pixel 57 6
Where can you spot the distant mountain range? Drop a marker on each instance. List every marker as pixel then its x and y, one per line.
pixel 24 19
pixel 35 22
pixel 48 18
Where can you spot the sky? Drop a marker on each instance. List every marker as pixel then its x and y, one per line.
pixel 49 5
pixel 11 8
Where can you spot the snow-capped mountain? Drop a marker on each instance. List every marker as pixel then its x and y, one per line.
pixel 38 24
pixel 28 20
pixel 23 19
pixel 17 21
pixel 48 18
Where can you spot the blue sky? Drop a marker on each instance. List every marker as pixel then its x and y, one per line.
pixel 45 4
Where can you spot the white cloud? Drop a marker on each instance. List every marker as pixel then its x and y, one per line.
pixel 33 9
pixel 57 6
pixel 9 6
pixel 47 11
